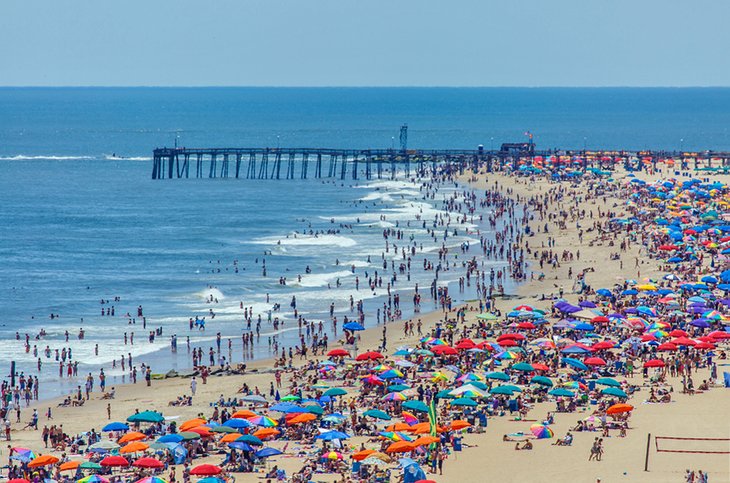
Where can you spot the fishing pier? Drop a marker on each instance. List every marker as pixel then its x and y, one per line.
pixel 303 163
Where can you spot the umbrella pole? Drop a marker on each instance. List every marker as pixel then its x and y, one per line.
pixel 648 445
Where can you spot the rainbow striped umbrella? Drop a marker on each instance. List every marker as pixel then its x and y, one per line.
pixel 541 431
pixel 263 421
pixel 394 396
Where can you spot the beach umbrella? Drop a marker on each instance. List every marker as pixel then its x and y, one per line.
pixel 654 363
pixel 369 356
pixel 523 366
pixel 400 447
pixel 266 452
pixel 353 326
pixel 22 454
pixel 561 392
pixel 263 421
pixel 189 435
pixel 116 426
pixel 132 436
pixel 459 424
pixel 377 414
pixel 614 391
pixel 607 381
pixel 416 405
pixel 148 463
pixel 250 439
pixel 575 363
pixel 620 408
pixel 314 409
pixel 424 440
pixel 206 470
pixel 505 390
pixel 69 465
pixel 114 461
pixel 230 437
pixel 335 391
pixel 500 376
pixel 364 454
pixel 237 423
pixel 90 465
pixel 542 380
pixel 18 480
pixel 43 460
pixel 667 346
pixel 332 435
pixel 170 438
pixel 134 447
pixel 541 431
pixel 290 397
pixel 338 353
pixel 594 361
pixel 243 414
pixel 191 423
pixel 93 479
pixel 154 479
pixel 146 417
pixel 240 446
pixel 398 387
pixel 302 418
pixel 464 401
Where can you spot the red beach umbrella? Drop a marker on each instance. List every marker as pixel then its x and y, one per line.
pixel 526 325
pixel 667 346
pixel 114 461
pixel 603 345
pixel 594 361
pixel 654 363
pixel 678 333
pixel 206 470
pixel 338 353
pixel 148 463
pixel 513 336
pixel 369 356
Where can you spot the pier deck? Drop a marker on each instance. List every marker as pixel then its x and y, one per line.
pixel 302 163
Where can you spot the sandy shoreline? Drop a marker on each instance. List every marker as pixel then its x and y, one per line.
pixel 488 457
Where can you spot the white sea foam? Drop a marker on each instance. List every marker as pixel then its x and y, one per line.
pixel 109 157
pixel 313 280
pixel 307 240
pixel 23 157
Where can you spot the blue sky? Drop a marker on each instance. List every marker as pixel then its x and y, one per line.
pixel 364 42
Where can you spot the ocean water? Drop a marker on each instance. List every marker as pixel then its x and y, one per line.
pixel 81 220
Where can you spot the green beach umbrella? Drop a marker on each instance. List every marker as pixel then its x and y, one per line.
pixel 561 392
pixel 542 380
pixel 444 394
pixel 314 409
pixel 505 390
pixel 500 376
pixel 90 465
pixel 377 414
pixel 146 417
pixel 464 401
pixel 416 406
pixel 189 435
pixel 607 381
pixel 222 429
pixel 290 397
pixel 398 387
pixel 335 391
pixel 614 391
pixel 523 366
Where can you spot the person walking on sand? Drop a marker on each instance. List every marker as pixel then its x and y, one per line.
pixel 193 385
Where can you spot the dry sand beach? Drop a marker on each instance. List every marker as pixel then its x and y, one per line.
pixel 485 457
